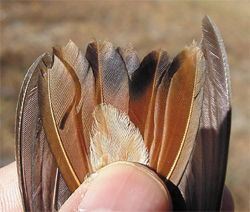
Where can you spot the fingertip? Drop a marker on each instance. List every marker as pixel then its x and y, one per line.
pixel 124 186
pixel 10 196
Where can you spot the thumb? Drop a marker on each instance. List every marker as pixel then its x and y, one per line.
pixel 10 197
pixel 121 186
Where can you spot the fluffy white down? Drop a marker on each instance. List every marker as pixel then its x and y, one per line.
pixel 115 138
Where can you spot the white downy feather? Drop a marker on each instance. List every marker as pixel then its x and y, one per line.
pixel 115 138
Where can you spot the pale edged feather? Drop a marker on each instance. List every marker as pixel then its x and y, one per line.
pixel 73 57
pixel 115 138
pixel 203 182
pixel 193 122
pixel 61 122
pixel 182 113
pixel 35 163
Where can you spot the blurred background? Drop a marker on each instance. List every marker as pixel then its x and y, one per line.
pixel 30 28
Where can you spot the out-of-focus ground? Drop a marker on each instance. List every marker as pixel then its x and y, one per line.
pixel 30 28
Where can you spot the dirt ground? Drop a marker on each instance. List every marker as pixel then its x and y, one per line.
pixel 30 28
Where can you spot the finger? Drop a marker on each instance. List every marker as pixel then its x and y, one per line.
pixel 121 186
pixel 10 198
pixel 227 200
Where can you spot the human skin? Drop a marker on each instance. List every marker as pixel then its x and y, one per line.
pixel 121 186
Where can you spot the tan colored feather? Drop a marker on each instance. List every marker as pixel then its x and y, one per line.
pixel 193 122
pixel 182 115
pixel 156 106
pixel 159 116
pixel 73 58
pixel 57 102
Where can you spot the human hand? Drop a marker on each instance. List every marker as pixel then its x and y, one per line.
pixel 122 186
